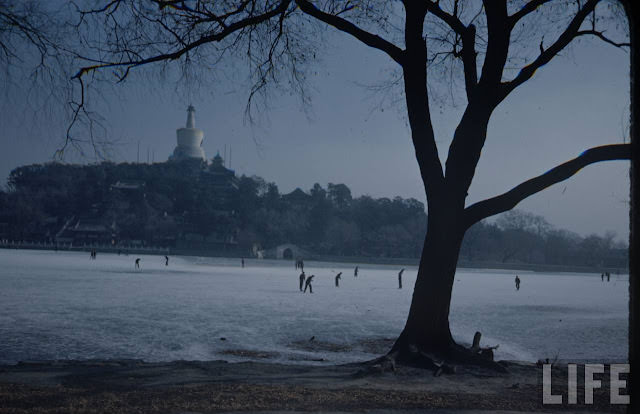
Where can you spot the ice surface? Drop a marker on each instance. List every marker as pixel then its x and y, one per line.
pixel 62 305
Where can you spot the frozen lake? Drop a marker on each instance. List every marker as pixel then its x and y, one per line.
pixel 62 305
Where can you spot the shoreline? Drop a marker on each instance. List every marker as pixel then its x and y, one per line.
pixel 218 386
pixel 462 263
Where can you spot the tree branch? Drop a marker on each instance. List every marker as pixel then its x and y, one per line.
pixel 603 37
pixel 228 30
pixel 565 38
pixel 346 26
pixel 498 32
pixel 468 36
pixel 469 61
pixel 417 98
pixel 511 198
pixel 531 6
pixel 452 21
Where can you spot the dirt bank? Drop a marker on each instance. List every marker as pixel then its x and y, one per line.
pixel 217 386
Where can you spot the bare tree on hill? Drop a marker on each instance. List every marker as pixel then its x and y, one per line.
pixel 495 45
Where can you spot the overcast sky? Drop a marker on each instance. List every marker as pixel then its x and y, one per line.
pixel 577 101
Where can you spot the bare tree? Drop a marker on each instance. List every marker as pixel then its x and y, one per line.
pixel 496 46
pixel 38 52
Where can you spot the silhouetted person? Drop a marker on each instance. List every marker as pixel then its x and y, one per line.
pixel 307 284
pixel 602 276
pixel 242 262
pixel 517 283
pixel 608 276
pixel 400 279
pixel 338 279
pixel 301 280
pixel 166 260
pixel 302 265
pixel 355 272
pixel 138 263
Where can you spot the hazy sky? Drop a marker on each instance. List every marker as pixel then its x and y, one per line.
pixel 577 101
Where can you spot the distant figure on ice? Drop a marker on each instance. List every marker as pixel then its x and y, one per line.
pixel 608 276
pixel 138 263
pixel 338 279
pixel 355 272
pixel 400 279
pixel 166 260
pixel 602 276
pixel 307 284
pixel 301 280
pixel 517 283
pixel 302 265
pixel 242 262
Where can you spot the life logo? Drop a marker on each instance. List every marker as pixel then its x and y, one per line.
pixel 616 382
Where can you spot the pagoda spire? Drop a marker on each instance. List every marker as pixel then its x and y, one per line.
pixel 191 117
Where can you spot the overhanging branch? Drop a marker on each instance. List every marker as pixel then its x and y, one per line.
pixel 346 26
pixel 511 198
pixel 215 37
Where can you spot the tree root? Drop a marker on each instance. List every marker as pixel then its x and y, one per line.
pixel 380 365
pixel 482 358
pixel 447 361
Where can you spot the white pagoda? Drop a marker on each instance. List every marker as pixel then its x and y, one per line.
pixel 189 140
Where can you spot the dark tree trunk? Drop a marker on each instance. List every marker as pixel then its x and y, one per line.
pixel 427 326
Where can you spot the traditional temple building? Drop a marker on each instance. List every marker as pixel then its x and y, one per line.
pixel 189 140
pixel 221 176
pixel 221 180
pixel 88 232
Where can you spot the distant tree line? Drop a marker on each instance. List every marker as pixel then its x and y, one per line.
pixel 521 237
pixel 178 199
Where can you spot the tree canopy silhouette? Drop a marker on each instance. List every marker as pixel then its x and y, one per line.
pixel 477 38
